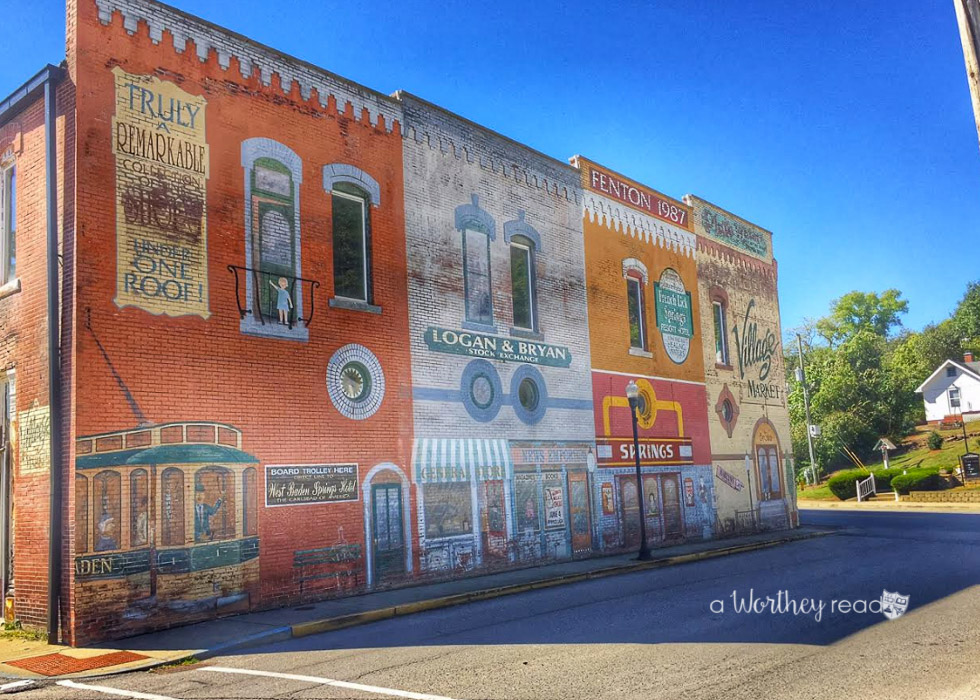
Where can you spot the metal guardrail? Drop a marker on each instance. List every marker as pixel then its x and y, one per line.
pixel 269 314
pixel 866 487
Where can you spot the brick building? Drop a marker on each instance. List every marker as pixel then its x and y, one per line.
pixel 643 311
pixel 743 361
pixel 308 340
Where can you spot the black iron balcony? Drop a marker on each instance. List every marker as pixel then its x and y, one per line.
pixel 270 298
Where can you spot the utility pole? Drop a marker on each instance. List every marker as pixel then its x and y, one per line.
pixel 968 20
pixel 801 378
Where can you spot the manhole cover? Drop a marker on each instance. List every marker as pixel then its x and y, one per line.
pixel 60 664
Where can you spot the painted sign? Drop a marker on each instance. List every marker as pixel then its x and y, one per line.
pixel 733 232
pixel 689 492
pixel 554 506
pixel 756 353
pixel 608 502
pixel 675 318
pixel 550 455
pixel 496 348
pixel 112 565
pixel 303 484
pixel 971 465
pixel 620 452
pixel 637 196
pixel 729 478
pixel 158 138
pixel 34 439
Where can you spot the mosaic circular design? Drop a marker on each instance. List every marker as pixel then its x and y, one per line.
pixel 355 381
pixel 481 391
pixel 529 394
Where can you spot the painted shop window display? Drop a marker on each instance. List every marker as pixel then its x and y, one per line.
pixel 169 515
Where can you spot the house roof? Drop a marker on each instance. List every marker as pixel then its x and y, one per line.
pixel 971 368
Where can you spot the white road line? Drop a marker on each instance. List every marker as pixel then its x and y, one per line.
pixel 328 681
pixel 16 685
pixel 114 691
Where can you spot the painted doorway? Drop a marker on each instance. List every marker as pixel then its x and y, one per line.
pixel 388 534
pixel 629 511
pixel 673 519
pixel 581 512
pixel 495 520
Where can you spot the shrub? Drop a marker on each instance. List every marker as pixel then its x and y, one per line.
pixel 935 441
pixel 843 484
pixel 883 478
pixel 918 480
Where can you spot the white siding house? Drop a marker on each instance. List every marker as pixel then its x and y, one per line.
pixel 952 390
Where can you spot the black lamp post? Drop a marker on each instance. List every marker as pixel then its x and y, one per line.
pixel 633 394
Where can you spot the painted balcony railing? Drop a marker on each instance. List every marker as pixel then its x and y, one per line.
pixel 270 298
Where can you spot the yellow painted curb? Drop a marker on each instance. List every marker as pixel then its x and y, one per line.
pixel 305 629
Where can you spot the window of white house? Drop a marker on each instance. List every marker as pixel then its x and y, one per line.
pixel 721 333
pixel 8 224
pixel 476 276
pixel 634 302
pixel 351 244
pixel 522 283
pixel 954 397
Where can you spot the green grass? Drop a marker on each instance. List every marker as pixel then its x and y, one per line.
pixel 15 631
pixel 915 458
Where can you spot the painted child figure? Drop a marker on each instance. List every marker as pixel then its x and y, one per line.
pixel 283 301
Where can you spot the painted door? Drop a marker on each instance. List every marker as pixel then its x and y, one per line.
pixel 673 519
pixel 581 512
pixel 629 511
pixel 495 527
pixel 388 535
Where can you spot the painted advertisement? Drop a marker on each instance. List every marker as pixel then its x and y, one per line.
pixel 496 348
pixel 299 485
pixel 640 198
pixel 34 439
pixel 674 315
pixel 162 157
pixel 757 353
pixel 620 452
pixel 731 231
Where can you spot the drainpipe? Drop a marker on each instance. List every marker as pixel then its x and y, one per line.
pixel 54 353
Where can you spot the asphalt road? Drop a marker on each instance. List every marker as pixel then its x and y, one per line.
pixel 655 634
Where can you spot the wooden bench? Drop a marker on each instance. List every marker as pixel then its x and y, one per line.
pixel 341 562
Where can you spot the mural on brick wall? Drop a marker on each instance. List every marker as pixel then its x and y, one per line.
pixel 161 196
pixel 166 523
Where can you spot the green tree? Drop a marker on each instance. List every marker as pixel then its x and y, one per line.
pixel 966 317
pixel 862 311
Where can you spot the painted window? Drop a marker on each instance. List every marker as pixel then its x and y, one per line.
pixel 635 307
pixel 351 243
pixel 768 462
pixel 954 397
pixel 81 514
pixel 172 508
pixel 721 333
pixel 448 509
pixel 476 276
pixel 273 237
pixel 8 224
pixel 523 285
pixel 214 504
pixel 139 509
pixel 107 506
pixel 250 516
pixel 950 371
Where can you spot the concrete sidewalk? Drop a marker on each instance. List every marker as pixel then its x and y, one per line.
pixel 890 505
pixel 215 637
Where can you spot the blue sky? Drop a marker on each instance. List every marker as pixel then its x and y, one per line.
pixel 845 128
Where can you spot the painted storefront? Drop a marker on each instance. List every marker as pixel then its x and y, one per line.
pixel 241 354
pixel 503 460
pixel 640 252
pixel 745 377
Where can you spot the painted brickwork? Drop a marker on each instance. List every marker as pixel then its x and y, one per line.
pixel 502 401
pixel 23 345
pixel 233 387
pixel 643 311
pixel 748 417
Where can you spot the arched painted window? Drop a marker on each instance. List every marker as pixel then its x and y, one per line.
pixel 767 461
pixel 108 506
pixel 636 276
pixel 525 244
pixel 273 252
pixel 214 504
pixel 139 509
pixel 478 229
pixel 250 505
pixel 353 193
pixel 81 514
pixel 172 508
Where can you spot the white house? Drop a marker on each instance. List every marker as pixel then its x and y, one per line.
pixel 953 390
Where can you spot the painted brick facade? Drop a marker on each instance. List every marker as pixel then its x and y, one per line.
pixel 748 417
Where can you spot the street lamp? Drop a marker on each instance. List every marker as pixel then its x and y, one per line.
pixel 633 395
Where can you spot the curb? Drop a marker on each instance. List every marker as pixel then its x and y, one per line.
pixel 329 624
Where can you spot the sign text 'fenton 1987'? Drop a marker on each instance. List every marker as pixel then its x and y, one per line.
pixel 638 197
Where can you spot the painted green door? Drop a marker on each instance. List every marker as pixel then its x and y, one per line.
pixel 388 535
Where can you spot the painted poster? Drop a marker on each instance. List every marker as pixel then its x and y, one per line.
pixel 158 138
pixel 297 485
pixel 608 504
pixel 675 317
pixel 34 439
pixel 554 507
pixel 689 492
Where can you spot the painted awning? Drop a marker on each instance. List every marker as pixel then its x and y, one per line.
pixel 446 460
pixel 182 453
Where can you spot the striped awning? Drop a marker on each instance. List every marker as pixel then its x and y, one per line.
pixel 447 460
